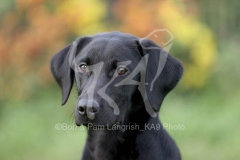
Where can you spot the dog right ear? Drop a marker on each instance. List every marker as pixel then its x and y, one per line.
pixel 62 72
pixel 62 66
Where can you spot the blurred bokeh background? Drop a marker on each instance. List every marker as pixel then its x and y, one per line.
pixel 206 102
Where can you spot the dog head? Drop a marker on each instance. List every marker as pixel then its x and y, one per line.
pixel 115 73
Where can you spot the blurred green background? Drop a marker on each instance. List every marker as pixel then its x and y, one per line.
pixel 206 102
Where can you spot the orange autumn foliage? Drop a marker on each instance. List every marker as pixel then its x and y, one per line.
pixel 32 31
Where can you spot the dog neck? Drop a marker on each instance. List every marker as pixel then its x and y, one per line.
pixel 120 142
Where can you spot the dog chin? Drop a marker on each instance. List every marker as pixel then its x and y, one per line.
pixel 94 124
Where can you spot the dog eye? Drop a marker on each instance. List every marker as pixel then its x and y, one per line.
pixel 121 70
pixel 83 67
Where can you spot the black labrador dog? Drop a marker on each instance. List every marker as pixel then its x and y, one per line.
pixel 121 82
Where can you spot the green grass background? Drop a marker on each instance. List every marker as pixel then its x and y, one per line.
pixel 211 132
pixel 210 116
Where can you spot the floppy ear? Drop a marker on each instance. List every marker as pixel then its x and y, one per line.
pixel 62 65
pixel 162 74
pixel 62 72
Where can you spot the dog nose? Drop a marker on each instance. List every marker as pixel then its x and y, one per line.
pixel 90 107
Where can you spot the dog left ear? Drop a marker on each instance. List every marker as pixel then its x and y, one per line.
pixel 163 72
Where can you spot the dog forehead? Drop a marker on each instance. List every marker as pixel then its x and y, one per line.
pixel 103 48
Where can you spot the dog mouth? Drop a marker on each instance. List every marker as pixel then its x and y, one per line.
pixel 89 124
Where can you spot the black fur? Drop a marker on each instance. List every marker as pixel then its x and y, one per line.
pixel 142 142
